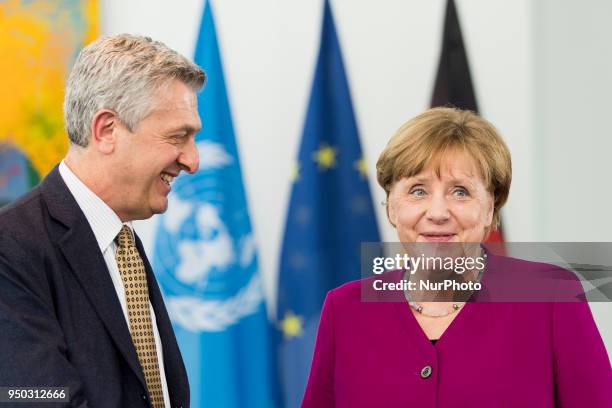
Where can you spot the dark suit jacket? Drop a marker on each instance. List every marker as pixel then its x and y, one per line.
pixel 61 323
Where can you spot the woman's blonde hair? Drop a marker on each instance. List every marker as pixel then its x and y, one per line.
pixel 425 139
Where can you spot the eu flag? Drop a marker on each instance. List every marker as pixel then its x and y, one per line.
pixel 330 214
pixel 206 260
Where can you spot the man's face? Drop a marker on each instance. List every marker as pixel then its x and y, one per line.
pixel 150 157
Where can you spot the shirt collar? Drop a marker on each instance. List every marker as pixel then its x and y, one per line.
pixel 103 221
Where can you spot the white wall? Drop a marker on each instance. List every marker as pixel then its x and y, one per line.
pixel 390 51
pixel 572 63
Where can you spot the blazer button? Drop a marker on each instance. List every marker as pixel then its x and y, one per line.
pixel 426 371
pixel 144 397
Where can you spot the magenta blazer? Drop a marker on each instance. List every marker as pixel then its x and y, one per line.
pixel 492 355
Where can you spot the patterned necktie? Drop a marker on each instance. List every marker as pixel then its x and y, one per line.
pixel 134 278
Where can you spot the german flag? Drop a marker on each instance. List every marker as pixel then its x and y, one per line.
pixel 453 85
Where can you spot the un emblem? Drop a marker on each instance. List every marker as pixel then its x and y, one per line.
pixel 205 255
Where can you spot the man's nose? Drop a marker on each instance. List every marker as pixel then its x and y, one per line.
pixel 438 210
pixel 190 157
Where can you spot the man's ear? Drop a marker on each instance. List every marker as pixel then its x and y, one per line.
pixel 104 125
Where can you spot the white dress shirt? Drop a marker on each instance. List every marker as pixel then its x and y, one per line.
pixel 106 225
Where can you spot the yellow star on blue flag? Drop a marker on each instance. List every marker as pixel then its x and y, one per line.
pixel 292 325
pixel 325 157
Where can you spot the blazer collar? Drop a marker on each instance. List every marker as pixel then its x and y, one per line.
pixel 78 244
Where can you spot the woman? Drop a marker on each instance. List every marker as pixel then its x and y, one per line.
pixel 447 174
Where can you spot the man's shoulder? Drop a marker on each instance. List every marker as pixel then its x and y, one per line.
pixel 28 205
pixel 22 220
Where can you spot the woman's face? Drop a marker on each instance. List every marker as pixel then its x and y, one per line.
pixel 454 207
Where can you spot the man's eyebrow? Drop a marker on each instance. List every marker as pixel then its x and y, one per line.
pixel 184 129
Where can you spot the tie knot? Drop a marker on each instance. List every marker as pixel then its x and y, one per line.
pixel 125 237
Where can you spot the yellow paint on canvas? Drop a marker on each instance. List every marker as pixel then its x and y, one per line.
pixel 90 12
pixel 39 40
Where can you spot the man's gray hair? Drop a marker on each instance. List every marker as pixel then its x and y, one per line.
pixel 122 73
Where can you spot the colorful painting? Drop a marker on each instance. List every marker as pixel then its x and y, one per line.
pixel 39 40
pixel 16 174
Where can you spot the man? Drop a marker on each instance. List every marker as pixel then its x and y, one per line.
pixel 79 304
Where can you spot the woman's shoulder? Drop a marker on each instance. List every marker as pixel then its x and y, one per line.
pixel 516 279
pixel 367 290
pixel 505 261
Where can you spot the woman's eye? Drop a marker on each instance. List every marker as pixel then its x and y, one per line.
pixel 460 192
pixel 417 192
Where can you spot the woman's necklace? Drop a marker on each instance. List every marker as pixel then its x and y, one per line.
pixel 433 312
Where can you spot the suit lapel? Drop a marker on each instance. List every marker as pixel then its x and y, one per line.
pixel 79 246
